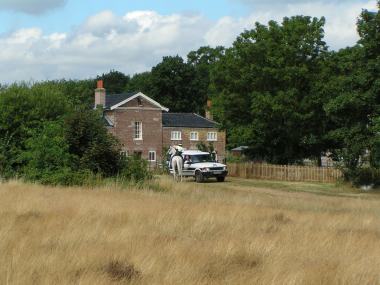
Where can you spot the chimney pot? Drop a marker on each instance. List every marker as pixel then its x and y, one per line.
pixel 100 94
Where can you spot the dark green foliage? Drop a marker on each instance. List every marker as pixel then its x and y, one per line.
pixel 181 86
pixel 365 176
pixel 264 85
pixel 140 82
pixel 44 137
pixel 47 154
pixel 115 82
pixel 176 85
pixel 23 111
pixel 88 140
pixel 77 92
pixel 135 169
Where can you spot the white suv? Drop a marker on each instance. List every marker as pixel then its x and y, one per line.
pixel 201 165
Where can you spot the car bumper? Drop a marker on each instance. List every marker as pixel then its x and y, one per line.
pixel 215 173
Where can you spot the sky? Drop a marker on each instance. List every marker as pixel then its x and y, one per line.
pixel 78 39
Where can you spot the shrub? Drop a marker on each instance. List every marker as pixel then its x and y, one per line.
pixel 88 139
pixel 135 169
pixel 363 176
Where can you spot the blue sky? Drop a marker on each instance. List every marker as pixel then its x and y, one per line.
pixel 72 13
pixel 53 39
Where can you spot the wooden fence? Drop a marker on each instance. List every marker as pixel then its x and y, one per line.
pixel 284 172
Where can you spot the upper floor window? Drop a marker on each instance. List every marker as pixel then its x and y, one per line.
pixel 152 155
pixel 212 136
pixel 176 136
pixel 138 131
pixel 194 136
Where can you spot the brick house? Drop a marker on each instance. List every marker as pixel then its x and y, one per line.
pixel 145 127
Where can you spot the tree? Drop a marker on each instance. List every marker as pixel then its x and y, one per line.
pixel 88 140
pixel 114 81
pixel 204 60
pixel 140 82
pixel 264 89
pixel 77 92
pixel 176 85
pixel 23 110
pixel 369 32
pixel 47 158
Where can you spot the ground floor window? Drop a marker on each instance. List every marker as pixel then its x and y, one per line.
pixel 137 154
pixel 152 155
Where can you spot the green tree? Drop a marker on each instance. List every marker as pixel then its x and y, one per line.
pixel 77 92
pixel 204 60
pixel 96 150
pixel 47 158
pixel 115 82
pixel 176 85
pixel 140 82
pixel 23 110
pixel 264 87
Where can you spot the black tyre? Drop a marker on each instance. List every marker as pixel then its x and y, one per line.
pixel 220 178
pixel 199 177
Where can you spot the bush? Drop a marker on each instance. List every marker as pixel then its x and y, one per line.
pixel 363 176
pixel 88 139
pixel 135 169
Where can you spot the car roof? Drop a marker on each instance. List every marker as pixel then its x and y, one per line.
pixel 194 152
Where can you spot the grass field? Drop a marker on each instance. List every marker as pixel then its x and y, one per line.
pixel 238 232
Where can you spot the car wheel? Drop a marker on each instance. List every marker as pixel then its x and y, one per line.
pixel 199 177
pixel 220 178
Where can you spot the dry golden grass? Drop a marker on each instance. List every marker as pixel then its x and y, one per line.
pixel 213 233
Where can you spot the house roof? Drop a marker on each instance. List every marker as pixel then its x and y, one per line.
pixel 116 100
pixel 107 122
pixel 189 120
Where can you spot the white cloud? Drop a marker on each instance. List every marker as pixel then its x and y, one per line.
pixel 30 6
pixel 132 43
pixel 138 40
pixel 340 28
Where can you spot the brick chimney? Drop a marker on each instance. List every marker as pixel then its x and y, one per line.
pixel 100 94
pixel 208 110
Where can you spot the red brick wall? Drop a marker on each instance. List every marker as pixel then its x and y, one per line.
pixel 124 128
pixel 219 145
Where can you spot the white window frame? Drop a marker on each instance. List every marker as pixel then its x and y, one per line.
pixel 176 136
pixel 137 135
pixel 154 155
pixel 212 136
pixel 196 136
pixel 124 153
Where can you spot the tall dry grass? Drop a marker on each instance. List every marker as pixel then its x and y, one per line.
pixel 190 234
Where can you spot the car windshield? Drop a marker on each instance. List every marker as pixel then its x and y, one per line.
pixel 201 158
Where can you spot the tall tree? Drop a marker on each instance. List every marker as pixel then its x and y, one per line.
pixel 369 32
pixel 23 110
pixel 114 81
pixel 140 82
pixel 176 85
pixel 204 60
pixel 264 85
